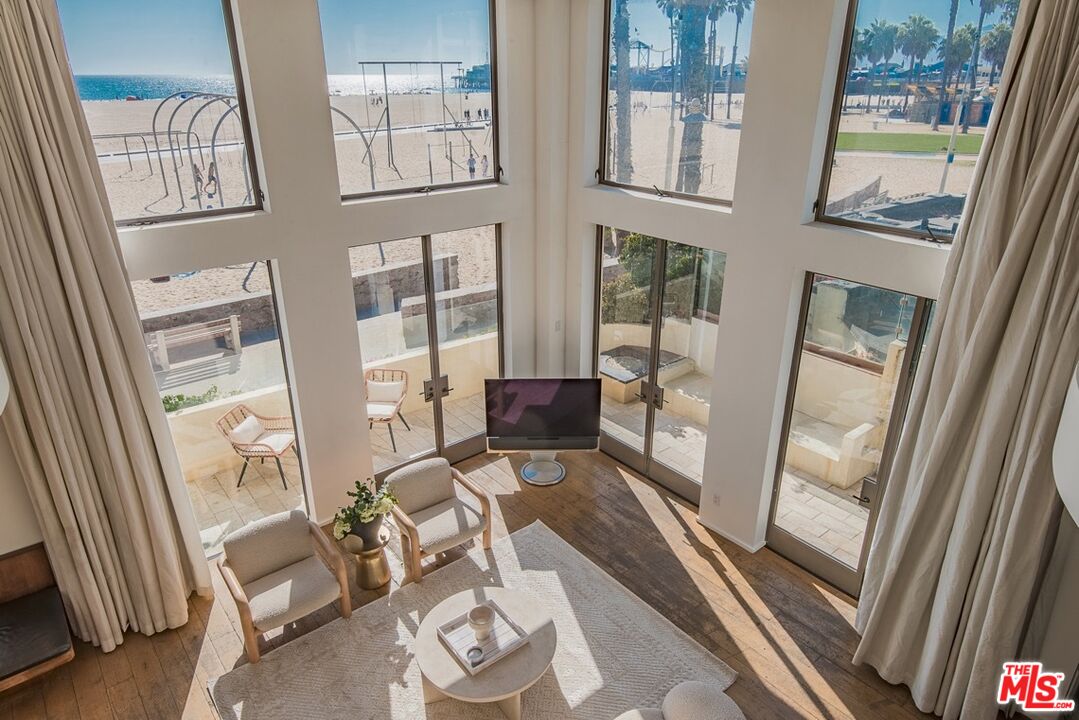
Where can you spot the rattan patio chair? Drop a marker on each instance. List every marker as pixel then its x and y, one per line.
pixel 257 436
pixel 386 390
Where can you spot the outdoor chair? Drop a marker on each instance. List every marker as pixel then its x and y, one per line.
pixel 279 569
pixel 258 436
pixel 386 390
pixel 431 515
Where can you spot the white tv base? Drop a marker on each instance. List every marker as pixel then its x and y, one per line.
pixel 543 469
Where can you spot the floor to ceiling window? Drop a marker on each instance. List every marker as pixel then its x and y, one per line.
pixel 675 90
pixel 214 345
pixel 914 97
pixel 159 84
pixel 428 317
pixel 412 98
pixel 852 375
pixel 657 328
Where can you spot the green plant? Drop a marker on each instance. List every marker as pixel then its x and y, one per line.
pixel 180 401
pixel 366 506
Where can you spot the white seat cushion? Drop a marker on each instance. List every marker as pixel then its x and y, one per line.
pixel 641 714
pixel 389 392
pixel 278 441
pixel 290 593
pixel 378 410
pixel 247 431
pixel 448 523
pixel 695 700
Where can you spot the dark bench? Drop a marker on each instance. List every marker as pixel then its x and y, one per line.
pixel 34 636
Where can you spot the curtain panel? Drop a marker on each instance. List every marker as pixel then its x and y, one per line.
pixel 84 418
pixel 971 508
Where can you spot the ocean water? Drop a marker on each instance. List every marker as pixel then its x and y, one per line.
pixel 156 87
pixel 150 87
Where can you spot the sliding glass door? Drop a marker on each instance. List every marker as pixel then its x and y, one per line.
pixel 858 349
pixel 656 328
pixel 428 312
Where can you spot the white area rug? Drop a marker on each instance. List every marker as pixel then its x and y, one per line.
pixel 614 651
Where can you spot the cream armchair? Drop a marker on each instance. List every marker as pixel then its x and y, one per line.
pixel 432 515
pixel 279 569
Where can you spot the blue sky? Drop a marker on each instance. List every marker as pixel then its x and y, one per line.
pixel 187 37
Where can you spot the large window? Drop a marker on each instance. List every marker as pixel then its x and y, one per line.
pixel 159 87
pixel 675 89
pixel 914 98
pixel 213 342
pixel 411 93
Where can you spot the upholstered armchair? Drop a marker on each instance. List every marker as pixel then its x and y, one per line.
pixel 432 515
pixel 279 569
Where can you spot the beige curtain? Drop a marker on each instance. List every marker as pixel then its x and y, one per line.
pixel 101 470
pixel 971 507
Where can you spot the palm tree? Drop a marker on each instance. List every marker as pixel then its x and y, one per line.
pixel 739 8
pixel 1009 12
pixel 623 161
pixel 956 53
pixel 995 44
pixel 985 7
pixel 859 49
pixel 715 11
pixel 917 37
pixel 945 53
pixel 881 39
pixel 693 61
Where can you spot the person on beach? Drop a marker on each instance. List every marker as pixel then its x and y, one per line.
pixel 196 173
pixel 484 166
pixel 471 166
pixel 211 180
pixel 468 115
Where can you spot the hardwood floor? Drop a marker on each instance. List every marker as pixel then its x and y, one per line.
pixel 789 635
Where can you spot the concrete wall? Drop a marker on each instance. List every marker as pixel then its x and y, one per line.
pixel 203 450
pixel 841 394
pixel 695 339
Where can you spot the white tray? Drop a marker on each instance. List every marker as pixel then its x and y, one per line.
pixel 458 637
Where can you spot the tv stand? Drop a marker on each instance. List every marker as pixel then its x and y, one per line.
pixel 543 469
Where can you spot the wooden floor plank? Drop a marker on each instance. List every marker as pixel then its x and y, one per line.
pixel 789 635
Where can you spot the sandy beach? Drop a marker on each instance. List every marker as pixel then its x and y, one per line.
pixel 148 176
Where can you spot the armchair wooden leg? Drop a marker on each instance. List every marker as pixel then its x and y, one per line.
pixel 487 535
pixel 407 427
pixel 242 471
pixel 346 599
pixel 411 557
pixel 251 642
pixel 393 443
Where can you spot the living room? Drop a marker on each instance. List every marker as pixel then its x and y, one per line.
pixel 803 275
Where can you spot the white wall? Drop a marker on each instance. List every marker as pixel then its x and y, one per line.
pixel 18 526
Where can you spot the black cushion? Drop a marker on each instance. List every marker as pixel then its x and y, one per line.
pixel 33 629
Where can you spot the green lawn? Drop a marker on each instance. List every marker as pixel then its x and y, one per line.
pixel 907 142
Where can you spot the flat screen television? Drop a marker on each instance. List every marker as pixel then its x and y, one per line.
pixel 542 414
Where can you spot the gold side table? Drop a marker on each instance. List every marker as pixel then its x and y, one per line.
pixel 372 566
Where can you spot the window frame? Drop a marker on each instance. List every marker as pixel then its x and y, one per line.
pixel 257 195
pixel 836 117
pixel 601 169
pixel 496 176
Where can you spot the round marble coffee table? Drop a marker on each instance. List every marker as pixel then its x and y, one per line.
pixel 503 682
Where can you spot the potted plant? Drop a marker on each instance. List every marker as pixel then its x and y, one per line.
pixel 363 518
